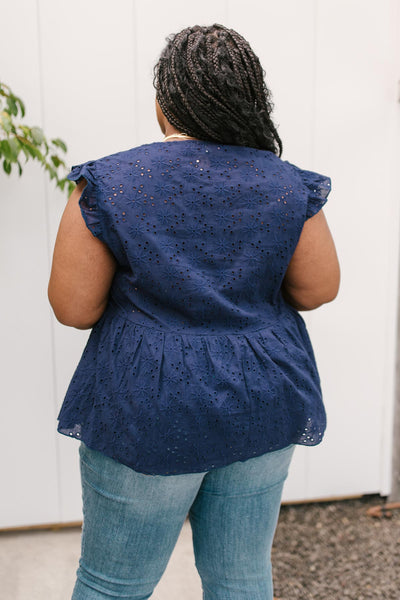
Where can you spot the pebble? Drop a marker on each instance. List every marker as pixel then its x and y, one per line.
pixel 331 551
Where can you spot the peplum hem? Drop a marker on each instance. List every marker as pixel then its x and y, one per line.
pixel 141 396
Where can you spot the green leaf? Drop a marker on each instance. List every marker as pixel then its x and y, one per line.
pixel 15 147
pixel 4 89
pixel 25 151
pixel 60 144
pixel 37 135
pixel 21 105
pixel 52 172
pixel 6 150
pixel 33 151
pixel 5 122
pixel 17 139
pixel 12 106
pixel 57 162
pixel 7 166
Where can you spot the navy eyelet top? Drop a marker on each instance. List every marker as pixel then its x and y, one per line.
pixel 198 361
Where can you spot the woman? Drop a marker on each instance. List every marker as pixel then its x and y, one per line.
pixel 190 259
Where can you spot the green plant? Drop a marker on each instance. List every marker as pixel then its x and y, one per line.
pixel 18 140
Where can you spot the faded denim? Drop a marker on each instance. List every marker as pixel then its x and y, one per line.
pixel 132 522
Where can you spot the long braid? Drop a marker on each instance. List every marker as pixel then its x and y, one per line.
pixel 262 93
pixel 210 100
pixel 210 85
pixel 248 59
pixel 190 53
pixel 192 112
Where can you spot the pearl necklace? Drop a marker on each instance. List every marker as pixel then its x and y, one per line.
pixel 178 135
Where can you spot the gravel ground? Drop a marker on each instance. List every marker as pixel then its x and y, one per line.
pixel 330 551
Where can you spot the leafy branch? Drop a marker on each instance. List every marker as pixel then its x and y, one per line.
pixel 18 141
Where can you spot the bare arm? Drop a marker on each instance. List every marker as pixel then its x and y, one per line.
pixel 313 275
pixel 82 270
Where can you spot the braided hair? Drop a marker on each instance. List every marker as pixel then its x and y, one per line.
pixel 210 85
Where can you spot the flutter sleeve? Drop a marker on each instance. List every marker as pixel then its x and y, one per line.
pixel 317 187
pixel 94 211
pixel 88 201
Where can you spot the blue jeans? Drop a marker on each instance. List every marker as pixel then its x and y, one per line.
pixel 131 523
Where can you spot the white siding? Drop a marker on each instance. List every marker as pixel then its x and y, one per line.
pixel 28 447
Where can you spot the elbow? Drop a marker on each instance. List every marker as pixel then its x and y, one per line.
pixel 311 294
pixel 72 321
pixel 310 299
pixel 73 315
pixel 309 303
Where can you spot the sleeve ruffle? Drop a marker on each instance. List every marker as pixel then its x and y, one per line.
pixel 318 188
pixel 88 201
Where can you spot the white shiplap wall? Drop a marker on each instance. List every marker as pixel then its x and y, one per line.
pixel 84 69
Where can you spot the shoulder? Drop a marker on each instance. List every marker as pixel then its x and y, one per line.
pixel 106 168
pixel 308 178
pixel 275 171
pixel 269 162
pixel 126 157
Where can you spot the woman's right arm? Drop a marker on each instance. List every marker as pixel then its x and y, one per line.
pixel 313 275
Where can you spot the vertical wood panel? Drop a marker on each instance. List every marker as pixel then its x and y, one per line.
pixel 29 491
pixel 89 87
pixel 354 338
pixel 392 157
pixel 87 50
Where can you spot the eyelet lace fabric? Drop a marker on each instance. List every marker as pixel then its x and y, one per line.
pixel 198 361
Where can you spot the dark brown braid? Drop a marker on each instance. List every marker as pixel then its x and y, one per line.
pixel 210 85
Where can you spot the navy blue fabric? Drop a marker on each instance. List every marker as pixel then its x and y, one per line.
pixel 198 361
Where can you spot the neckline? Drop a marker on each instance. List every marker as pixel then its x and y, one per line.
pixel 182 140
pixel 197 141
pixel 179 136
pixel 204 143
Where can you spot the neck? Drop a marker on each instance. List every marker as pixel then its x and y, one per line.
pixel 174 134
pixel 170 130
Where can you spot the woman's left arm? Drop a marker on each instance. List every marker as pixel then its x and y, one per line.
pixel 82 271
